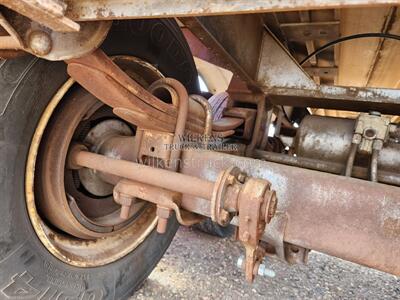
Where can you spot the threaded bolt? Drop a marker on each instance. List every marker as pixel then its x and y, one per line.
pixel 240 262
pixel 262 269
pixel 265 272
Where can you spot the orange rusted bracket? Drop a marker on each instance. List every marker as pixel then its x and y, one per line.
pixel 257 205
pixel 98 74
pixel 165 200
pixel 232 193
pixel 50 13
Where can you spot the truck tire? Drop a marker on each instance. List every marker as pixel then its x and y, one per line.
pixel 212 228
pixel 28 270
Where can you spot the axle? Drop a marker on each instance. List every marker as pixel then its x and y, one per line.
pixel 231 194
pixel 177 182
pixel 330 216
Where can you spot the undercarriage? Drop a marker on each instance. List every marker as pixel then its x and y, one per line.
pixel 109 143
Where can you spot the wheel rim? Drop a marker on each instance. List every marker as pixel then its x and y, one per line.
pixel 88 247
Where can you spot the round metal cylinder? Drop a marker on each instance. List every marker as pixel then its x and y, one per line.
pixel 389 158
pixel 329 139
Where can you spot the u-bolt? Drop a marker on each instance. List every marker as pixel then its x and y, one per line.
pixel 182 102
pixel 209 116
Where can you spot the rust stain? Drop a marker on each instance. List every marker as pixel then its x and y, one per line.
pixel 391 227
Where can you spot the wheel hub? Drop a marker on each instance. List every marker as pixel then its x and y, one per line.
pixel 96 140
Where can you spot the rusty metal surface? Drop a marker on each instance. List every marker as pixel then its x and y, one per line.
pixel 153 144
pixel 346 213
pixel 165 200
pixel 277 67
pixel 329 139
pixel 145 174
pixel 83 209
pixel 324 138
pixel 259 124
pixel 9 43
pixel 295 254
pixel 221 208
pixel 70 45
pixel 52 45
pixel 220 195
pixel 208 127
pixel 10 54
pixel 232 193
pixel 274 234
pixel 50 13
pixel 256 206
pixel 249 117
pixel 229 30
pixel 259 59
pixel 343 217
pixel 61 199
pixel 98 74
pixel 385 101
pixel 110 138
pixel 182 104
pixel 311 31
pixel 227 123
pixel 387 177
pixel 50 183
pixel 127 9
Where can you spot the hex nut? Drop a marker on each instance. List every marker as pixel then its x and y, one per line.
pixel 242 177
pixel 224 217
